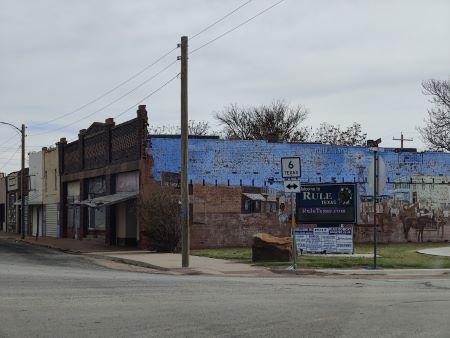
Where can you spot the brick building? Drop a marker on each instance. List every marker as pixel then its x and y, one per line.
pixel 35 207
pixel 2 202
pixel 100 178
pixel 13 202
pixel 51 193
pixel 232 180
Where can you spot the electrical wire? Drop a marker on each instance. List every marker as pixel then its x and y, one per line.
pixel 109 104
pixel 144 98
pixel 147 96
pixel 236 27
pixel 220 20
pixel 11 158
pixel 3 145
pixel 135 75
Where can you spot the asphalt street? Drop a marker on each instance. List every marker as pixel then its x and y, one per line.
pixel 45 293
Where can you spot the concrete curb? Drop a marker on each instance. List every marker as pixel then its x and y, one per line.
pixel 69 251
pixel 183 271
pixel 365 273
pixel 128 261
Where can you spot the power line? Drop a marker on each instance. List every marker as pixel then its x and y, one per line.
pixel 147 96
pixel 220 20
pixel 109 104
pixel 6 142
pixel 236 27
pixel 112 89
pixel 10 159
pixel 135 75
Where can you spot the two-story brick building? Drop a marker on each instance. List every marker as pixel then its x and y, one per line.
pixel 100 177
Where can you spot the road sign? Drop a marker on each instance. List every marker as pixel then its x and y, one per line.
pixel 290 167
pixel 292 186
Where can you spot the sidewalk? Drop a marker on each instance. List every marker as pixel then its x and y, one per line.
pixel 171 263
pixel 161 261
pixel 197 265
pixel 444 251
pixel 64 244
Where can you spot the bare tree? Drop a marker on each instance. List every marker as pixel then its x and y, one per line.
pixel 279 121
pixel 197 128
pixel 330 134
pixel 436 132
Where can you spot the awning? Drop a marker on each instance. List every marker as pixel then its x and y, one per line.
pixel 102 201
pixel 19 202
pixel 255 197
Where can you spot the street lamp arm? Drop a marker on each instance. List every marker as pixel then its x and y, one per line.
pixel 11 125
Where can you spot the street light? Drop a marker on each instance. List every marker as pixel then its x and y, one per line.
pixel 22 175
pixel 373 145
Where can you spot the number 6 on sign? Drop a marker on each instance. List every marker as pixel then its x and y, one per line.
pixel 290 167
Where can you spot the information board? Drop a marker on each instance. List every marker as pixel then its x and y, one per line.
pixel 326 203
pixel 324 240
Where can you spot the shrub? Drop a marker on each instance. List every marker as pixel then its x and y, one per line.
pixel 160 212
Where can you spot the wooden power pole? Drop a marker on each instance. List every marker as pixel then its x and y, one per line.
pixel 22 185
pixel 402 140
pixel 184 155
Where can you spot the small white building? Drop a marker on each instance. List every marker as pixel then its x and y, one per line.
pixel 35 193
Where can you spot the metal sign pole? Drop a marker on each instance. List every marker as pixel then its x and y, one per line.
pixel 375 193
pixel 294 244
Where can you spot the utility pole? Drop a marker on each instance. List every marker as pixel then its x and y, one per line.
pixel 402 139
pixel 185 240
pixel 22 185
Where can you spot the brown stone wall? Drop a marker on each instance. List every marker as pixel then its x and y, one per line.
pixel 212 199
pixel 233 230
pixel 218 220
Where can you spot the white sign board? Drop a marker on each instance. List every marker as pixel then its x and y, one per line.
pixel 292 186
pixel 324 240
pixel 290 167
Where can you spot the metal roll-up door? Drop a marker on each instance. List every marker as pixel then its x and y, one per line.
pixel 51 220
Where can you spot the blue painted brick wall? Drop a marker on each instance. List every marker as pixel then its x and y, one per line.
pixel 254 162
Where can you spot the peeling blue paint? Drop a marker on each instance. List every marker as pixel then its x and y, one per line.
pixel 255 162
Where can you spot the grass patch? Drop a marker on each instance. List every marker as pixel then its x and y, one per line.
pixel 392 256
pixel 241 254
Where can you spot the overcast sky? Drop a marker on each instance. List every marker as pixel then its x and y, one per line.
pixel 346 61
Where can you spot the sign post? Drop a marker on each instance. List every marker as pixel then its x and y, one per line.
pixel 290 170
pixel 373 145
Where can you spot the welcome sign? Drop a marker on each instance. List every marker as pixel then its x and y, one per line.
pixel 326 203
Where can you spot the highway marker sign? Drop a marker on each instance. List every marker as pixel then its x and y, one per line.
pixel 290 167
